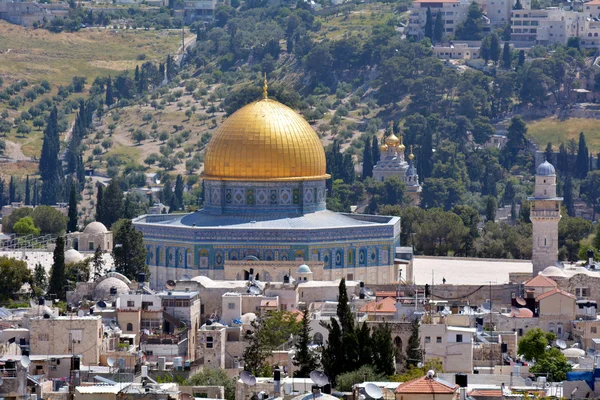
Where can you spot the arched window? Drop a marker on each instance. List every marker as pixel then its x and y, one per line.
pixel 398 343
pixel 130 327
pixel 318 338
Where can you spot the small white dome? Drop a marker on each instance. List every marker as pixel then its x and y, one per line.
pixel 304 269
pixel 553 271
pixel 95 228
pixel 104 288
pixel 72 256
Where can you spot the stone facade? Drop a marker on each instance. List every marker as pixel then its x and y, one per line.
pixel 452 345
pixel 67 335
pixel 211 345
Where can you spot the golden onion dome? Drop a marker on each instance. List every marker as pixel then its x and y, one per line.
pixel 411 156
pixel 265 141
pixel 401 147
pixel 383 147
pixel 392 140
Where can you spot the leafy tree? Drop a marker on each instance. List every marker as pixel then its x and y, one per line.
pixel 428 24
pixel 472 26
pixel 72 214
pixel 13 274
pixel 276 328
pixel 571 232
pixel 305 360
pixel 49 220
pixel 57 274
pixel 554 364
pixel 346 381
pixel 214 377
pixel 516 141
pixel 438 27
pixel 129 253
pixel 97 264
pixel 25 226
pixel 414 372
pixel 506 56
pixel 532 345
pixel 590 189
pixel 582 163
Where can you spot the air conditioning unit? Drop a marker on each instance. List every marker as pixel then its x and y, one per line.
pixel 53 368
pixel 504 310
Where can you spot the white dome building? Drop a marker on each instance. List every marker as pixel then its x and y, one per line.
pixel 93 236
pixel 73 256
pixel 110 288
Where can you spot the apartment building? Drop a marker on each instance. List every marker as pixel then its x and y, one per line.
pixel 453 12
pixel 453 345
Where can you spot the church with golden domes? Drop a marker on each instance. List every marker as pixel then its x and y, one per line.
pixel 264 200
pixel 392 163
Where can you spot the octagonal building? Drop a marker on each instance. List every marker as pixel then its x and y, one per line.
pixel 264 200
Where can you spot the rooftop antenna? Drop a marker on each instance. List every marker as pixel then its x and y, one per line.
pixel 430 374
pixel 25 361
pixel 170 284
pixel 561 344
pixel 373 391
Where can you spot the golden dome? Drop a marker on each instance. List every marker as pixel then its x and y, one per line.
pixel 265 141
pixel 411 156
pixel 401 147
pixel 392 140
pixel 383 147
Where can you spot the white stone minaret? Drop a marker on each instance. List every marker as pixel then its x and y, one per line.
pixel 545 214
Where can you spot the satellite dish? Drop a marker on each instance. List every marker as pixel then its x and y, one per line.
pixel 101 304
pixel 110 361
pixel 591 352
pixel 528 382
pixel 170 284
pixel 419 364
pixel 486 306
pixel 373 391
pixel 248 378
pixel 575 346
pixel 368 292
pixel 521 301
pixel 561 344
pixel 25 361
pixel 430 374
pixel 319 378
pixel 254 290
pixel 80 313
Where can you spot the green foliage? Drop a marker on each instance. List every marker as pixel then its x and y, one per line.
pixel 276 328
pixel 414 372
pixel 214 377
pixel 25 226
pixel 471 27
pixel 532 345
pixel 13 274
pixel 347 380
pixel 305 359
pixel 255 353
pixel 129 253
pixel 58 273
pixel 554 364
pixel 48 219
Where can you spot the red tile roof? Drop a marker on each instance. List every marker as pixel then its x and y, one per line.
pixel 426 385
pixel 553 292
pixel 386 305
pixel 436 1
pixel 541 281
pixel 486 393
pixel 593 3
pixel 389 293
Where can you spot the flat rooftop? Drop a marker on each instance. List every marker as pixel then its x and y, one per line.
pixel 466 271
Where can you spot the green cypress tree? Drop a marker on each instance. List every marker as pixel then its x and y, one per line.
pixel 414 355
pixel 426 157
pixel 109 100
pixel 521 58
pixel 568 196
pixel 506 56
pixel 98 264
pixel 438 28
pixel 112 207
pixel 367 159
pixel 12 190
pixel 27 192
pixel 549 153
pixel 3 198
pixel 495 48
pixel 491 206
pixel 429 24
pixel 179 192
pixel 57 275
pixel 343 311
pixel 100 203
pixel 50 165
pixel 582 163
pixel 40 279
pixel 332 357
pixel 72 213
pixel 383 350
pixel 129 252
pixel 376 152
pixel 365 349
pixel 305 359
pixel 598 161
pixel 35 193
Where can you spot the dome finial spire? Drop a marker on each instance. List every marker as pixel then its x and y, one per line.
pixel 266 88
pixel 411 156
